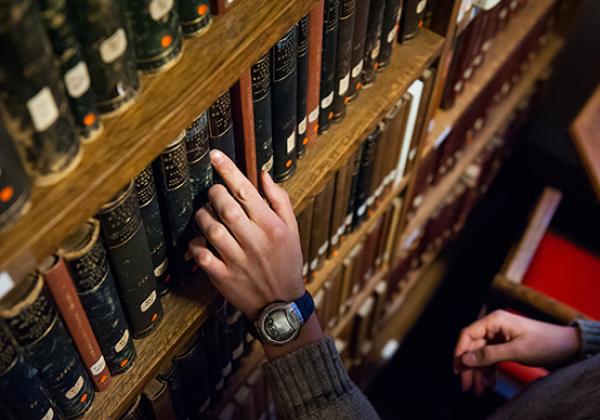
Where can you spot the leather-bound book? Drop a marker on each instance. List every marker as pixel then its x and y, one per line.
pixel 261 98
pixel 346 283
pixel 411 19
pixel 301 116
pixel 454 83
pixel 416 91
pixel 503 14
pixel 364 177
pixel 333 300
pixel 330 39
pixel 360 331
pixel 59 282
pixel 243 399
pixel 361 21
pixel 376 187
pixel 395 222
pixel 343 58
pixel 395 122
pixel 359 267
pixel 217 350
pixel 389 31
pixel 196 388
pixel 474 55
pixel 195 16
pixel 86 259
pixel 236 335
pixel 220 126
pixel 156 399
pixel 372 41
pixel 174 188
pixel 125 238
pixel 243 126
pixel 421 123
pixel 343 186
pixel 73 69
pixel 380 295
pixel 424 177
pixel 284 87
pixel 384 232
pixel 33 321
pixel 305 228
pixel 35 108
pixel 371 250
pixel 20 387
pixel 149 207
pixel 15 185
pixel 197 146
pixel 220 7
pixel 357 158
pixel 315 49
pixel 135 410
pixel 321 220
pixel 108 52
pixel 170 374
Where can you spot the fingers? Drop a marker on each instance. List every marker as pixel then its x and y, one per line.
pixel 207 261
pixel 466 378
pixel 218 235
pixel 489 355
pixel 279 201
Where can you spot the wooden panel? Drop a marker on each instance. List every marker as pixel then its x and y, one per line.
pixel 585 131
pixel 167 104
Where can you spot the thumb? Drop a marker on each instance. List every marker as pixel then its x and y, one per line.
pixel 488 355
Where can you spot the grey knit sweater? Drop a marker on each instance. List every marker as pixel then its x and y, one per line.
pixel 312 383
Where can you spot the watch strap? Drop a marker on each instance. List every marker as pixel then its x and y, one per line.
pixel 306 305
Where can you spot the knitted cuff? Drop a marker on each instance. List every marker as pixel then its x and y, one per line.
pixel 307 379
pixel 590 337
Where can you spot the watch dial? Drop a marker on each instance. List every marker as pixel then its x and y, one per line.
pixel 277 326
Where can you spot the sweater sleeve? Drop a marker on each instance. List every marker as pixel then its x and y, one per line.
pixel 312 383
pixel 590 337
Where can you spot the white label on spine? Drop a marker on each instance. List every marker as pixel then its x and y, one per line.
pixel 314 114
pixel 237 353
pixel 227 369
pixel 114 46
pixel 147 303
pixel 6 283
pixel 443 136
pixel 219 385
pixel 305 270
pixel 43 109
pixel 421 6
pixel 291 142
pixel 268 165
pixel 478 60
pixel 335 239
pixel 379 191
pixel 389 349
pixel 98 367
pixel 162 268
pixel 327 100
pixel 362 209
pixel 159 8
pixel 348 220
pixel 370 201
pixel 302 126
pixel 412 154
pixel 74 390
pixel 392 34
pixel 122 342
pixel 357 69
pixel 77 80
pixel 341 230
pixel 323 247
pixel 314 263
pixel 344 83
pixel 49 415
pixel 411 238
pixel 375 52
pixel 468 73
pixel 503 13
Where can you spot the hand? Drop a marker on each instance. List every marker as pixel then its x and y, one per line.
pixel 258 259
pixel 502 336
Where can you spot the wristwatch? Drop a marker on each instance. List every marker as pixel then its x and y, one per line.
pixel 281 322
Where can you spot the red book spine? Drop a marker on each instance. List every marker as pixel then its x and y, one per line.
pixel 243 125
pixel 315 46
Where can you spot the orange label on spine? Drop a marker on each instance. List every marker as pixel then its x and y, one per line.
pixel 6 194
pixel 166 40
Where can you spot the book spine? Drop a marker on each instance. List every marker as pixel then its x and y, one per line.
pixel 389 31
pixel 411 19
pixel 158 404
pixel 427 78
pixel 59 282
pixel 220 7
pixel 37 112
pixel 243 126
pixel 330 38
pixel 304 228
pixel 261 98
pixel 315 49
pixel 74 72
pixel 192 367
pixel 195 16
pixel 148 202
pixel 361 21
pixel 125 237
pixel 220 126
pixel 284 86
pixel 15 185
pixel 364 177
pixel 236 335
pixel 349 221
pixel 343 58
pixel 302 70
pixel 172 377
pixel 343 185
pixel 175 197
pixel 102 31
pixel 320 225
pixel 38 329
pixel 155 33
pixel 197 145
pixel 217 348
pixel 20 386
pixel 89 269
pixel 372 41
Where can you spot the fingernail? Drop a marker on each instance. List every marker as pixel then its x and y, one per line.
pixel 216 156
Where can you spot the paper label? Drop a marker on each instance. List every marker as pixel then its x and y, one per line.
pixel 392 34
pixel 348 219
pixel 267 165
pixel 237 353
pixel 357 69
pixel 219 385
pixel 313 264
pixel 412 154
pixel 6 283
pixel 305 270
pixel 327 100
pixel 418 200
pixel 478 60
pixel 370 201
pixel 161 269
pixel 77 80
pixel 344 83
pixel 99 366
pixel 503 13
pixel 122 342
pixel 226 370
pixel 389 349
pixel 443 136
pixel 458 86
pixel 72 393
pixel 159 8
pixel 379 191
pixel 302 126
pixel 146 304
pixel 486 45
pixel 421 6
pixel 49 415
pixel 114 46
pixel 323 248
pixel 362 209
pixel 291 142
pixel 335 239
pixel 314 114
pixel 43 109
pixel 468 73
pixel 375 52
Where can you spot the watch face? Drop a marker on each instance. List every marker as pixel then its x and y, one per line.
pixel 281 324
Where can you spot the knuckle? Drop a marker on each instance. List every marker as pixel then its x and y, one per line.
pixel 232 214
pixel 215 232
pixel 244 192
pixel 278 232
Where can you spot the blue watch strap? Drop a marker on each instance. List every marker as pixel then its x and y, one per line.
pixel 306 305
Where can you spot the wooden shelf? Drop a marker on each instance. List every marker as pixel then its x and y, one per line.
pixel 167 104
pixel 504 44
pixel 332 149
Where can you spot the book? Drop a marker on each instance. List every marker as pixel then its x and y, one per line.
pixel 389 32
pixel 220 127
pixel 304 229
pixel 372 42
pixel 415 90
pixel 135 410
pixel 61 287
pixel 155 34
pixel 215 343
pixel 156 399
pixel 197 146
pixel 102 30
pixel 380 296
pixel 151 217
pixel 428 78
pixel 343 189
pixel 33 98
pixel 302 70
pixel 360 331
pixel 256 382
pixel 170 374
pixel 236 335
pixel 411 19
pixel 125 238
pixel 20 386
pixel 333 299
pixel 195 16
pixel 361 204
pixel 261 101
pixel 343 58
pixel 349 221
pixel 361 20
pixel 15 185
pixel 220 7
pixel 30 316
pixel 396 209
pixel 87 262
pixel 315 49
pixel 243 126
pixel 73 68
pixel 192 364
pixel 284 86
pixel 330 39
pixel 319 237
pixel 346 282
pixel 245 403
